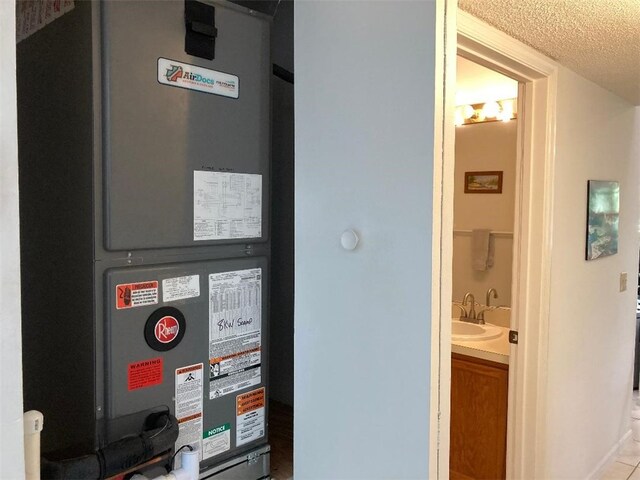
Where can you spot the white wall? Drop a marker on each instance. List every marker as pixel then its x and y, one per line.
pixel 11 453
pixel 484 146
pixel 364 160
pixel 591 324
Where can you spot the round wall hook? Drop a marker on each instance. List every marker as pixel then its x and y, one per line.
pixel 349 240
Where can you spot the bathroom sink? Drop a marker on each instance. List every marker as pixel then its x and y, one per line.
pixel 465 331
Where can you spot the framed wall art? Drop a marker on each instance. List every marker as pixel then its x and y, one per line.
pixel 482 182
pixel 602 218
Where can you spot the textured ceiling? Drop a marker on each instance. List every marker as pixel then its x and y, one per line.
pixel 599 39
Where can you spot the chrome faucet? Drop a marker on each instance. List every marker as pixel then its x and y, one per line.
pixel 481 315
pixel 489 292
pixel 463 311
pixel 472 309
pixel 488 303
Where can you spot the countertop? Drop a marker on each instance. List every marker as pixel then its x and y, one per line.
pixel 495 350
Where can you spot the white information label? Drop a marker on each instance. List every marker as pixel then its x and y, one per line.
pixel 188 395
pixel 179 288
pixel 31 16
pixel 216 441
pixel 235 331
pixel 192 77
pixel 226 205
pixel 250 416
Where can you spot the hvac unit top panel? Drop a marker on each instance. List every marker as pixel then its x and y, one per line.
pixel 186 140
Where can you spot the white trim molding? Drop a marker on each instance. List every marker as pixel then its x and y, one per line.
pixel 11 406
pixel 442 238
pixel 503 53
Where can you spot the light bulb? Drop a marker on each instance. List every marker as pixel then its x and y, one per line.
pixel 468 111
pixel 507 110
pixel 491 109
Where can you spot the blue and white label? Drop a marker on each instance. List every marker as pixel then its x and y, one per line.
pixel 192 77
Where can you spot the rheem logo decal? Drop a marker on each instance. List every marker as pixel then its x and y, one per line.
pixel 167 329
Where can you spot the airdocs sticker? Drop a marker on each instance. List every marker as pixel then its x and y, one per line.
pixel 192 77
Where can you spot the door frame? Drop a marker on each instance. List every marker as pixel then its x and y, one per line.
pixel 489 47
pixel 11 425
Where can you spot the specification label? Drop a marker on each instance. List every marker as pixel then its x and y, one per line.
pixel 226 205
pixel 235 331
pixel 179 288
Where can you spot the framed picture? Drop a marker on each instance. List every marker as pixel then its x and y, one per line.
pixel 482 182
pixel 602 218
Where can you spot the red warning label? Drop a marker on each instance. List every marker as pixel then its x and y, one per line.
pixel 130 295
pixel 144 374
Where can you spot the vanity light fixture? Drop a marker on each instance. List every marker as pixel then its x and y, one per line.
pixel 493 111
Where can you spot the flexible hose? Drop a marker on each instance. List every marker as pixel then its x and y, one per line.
pixel 118 456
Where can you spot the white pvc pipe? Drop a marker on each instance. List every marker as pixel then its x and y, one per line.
pixel 189 469
pixel 33 424
pixel 190 465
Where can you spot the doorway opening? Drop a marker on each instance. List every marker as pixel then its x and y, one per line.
pixel 537 77
pixel 485 192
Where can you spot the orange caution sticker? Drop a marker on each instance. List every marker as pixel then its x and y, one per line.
pixel 192 368
pixel 248 402
pixel 231 356
pixel 129 295
pixel 250 418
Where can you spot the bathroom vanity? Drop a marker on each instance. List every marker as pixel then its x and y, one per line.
pixel 479 393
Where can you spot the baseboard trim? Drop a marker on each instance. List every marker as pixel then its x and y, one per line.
pixel 609 458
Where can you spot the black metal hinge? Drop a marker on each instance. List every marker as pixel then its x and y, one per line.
pixel 201 32
pixel 513 337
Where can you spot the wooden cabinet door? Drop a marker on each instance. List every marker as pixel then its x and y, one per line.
pixel 479 390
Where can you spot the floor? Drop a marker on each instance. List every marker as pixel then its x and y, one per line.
pixel 281 440
pixel 626 465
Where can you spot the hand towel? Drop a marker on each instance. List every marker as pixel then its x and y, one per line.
pixel 482 250
pixel 491 251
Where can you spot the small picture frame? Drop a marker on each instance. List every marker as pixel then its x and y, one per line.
pixel 483 182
